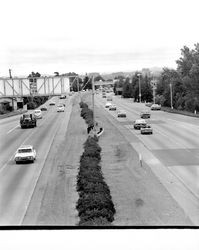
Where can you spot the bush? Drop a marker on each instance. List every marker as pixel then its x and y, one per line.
pixel 31 105
pixel 95 206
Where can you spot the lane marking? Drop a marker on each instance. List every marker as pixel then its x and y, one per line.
pixel 12 129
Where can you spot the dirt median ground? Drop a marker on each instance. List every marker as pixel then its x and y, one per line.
pixel 139 197
pixel 55 197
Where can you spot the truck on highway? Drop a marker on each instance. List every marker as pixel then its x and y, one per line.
pixel 28 121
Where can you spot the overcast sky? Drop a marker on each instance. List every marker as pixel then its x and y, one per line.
pixel 94 35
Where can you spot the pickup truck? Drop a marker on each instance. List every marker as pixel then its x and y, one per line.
pixel 28 121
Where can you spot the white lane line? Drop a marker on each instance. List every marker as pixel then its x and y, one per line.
pixel 12 129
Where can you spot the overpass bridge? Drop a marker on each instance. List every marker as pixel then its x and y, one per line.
pixel 39 86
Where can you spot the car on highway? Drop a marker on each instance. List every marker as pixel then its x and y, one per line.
pixel 44 108
pixel 155 107
pixel 121 113
pixel 62 97
pixel 38 114
pixel 146 130
pixel 25 153
pixel 139 123
pixel 28 121
pixel 145 114
pixel 109 99
pixel 108 104
pixel 148 104
pixel 113 107
pixel 52 103
pixel 60 108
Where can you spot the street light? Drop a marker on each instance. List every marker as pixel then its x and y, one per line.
pixel 140 96
pixel 171 95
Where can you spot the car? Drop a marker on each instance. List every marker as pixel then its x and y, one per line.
pixel 25 153
pixel 62 97
pixel 146 130
pixel 28 121
pixel 139 123
pixel 60 108
pixel 112 107
pixel 38 114
pixel 52 103
pixel 109 99
pixel 108 104
pixel 121 113
pixel 145 114
pixel 155 107
pixel 44 108
pixel 148 104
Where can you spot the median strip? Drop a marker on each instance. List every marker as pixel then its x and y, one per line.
pixel 95 206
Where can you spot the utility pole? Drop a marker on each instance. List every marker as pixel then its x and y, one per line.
pixel 13 92
pixel 140 95
pixel 93 93
pixel 171 95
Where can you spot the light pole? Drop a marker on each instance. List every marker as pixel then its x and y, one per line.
pixel 171 95
pixel 140 95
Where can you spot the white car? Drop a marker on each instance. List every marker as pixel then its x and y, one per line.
pixel 38 114
pixel 113 107
pixel 108 104
pixel 121 113
pixel 156 107
pixel 25 153
pixel 139 123
pixel 60 108
pixel 52 103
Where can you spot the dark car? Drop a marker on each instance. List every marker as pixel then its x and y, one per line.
pixel 28 121
pixel 146 130
pixel 145 114
pixel 44 108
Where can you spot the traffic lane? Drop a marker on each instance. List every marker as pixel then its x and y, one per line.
pixel 174 144
pixel 10 142
pixel 179 180
pixel 161 114
pixel 10 122
pixel 18 181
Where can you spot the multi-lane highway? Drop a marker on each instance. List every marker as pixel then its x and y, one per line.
pixel 172 151
pixel 17 182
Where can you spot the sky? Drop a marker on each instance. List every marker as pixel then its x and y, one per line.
pixel 94 35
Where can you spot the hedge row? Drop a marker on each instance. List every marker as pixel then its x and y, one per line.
pixel 86 113
pixel 95 206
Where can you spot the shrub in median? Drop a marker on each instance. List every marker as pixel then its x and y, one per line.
pixel 95 206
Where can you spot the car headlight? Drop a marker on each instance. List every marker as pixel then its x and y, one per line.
pixel 17 158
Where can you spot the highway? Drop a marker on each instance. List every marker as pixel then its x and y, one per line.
pixel 18 181
pixel 172 151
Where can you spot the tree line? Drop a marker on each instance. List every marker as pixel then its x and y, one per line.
pixel 183 81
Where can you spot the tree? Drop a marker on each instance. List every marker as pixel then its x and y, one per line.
pixel 87 82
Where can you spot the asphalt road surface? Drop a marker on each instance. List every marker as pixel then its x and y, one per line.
pixel 172 151
pixel 17 182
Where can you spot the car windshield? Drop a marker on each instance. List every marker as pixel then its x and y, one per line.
pixel 26 116
pixel 60 105
pixel 24 150
pixel 37 111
